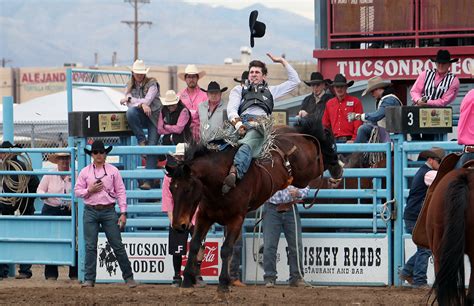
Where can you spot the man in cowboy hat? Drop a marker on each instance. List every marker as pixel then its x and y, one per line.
pixel 465 131
pixel 337 109
pixel 212 111
pixel 174 121
pixel 193 95
pixel 315 103
pixel 246 103
pixel 414 271
pixel 57 206
pixel 384 96
pixel 100 185
pixel 16 184
pixel 436 87
pixel 142 97
pixel 244 77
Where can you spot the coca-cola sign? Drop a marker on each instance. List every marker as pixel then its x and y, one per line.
pixel 392 64
pixel 210 262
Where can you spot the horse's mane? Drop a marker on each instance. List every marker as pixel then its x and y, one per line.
pixel 195 150
pixel 313 126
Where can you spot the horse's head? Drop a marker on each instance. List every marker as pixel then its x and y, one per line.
pixel 186 190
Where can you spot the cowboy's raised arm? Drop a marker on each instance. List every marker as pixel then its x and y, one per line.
pixel 287 86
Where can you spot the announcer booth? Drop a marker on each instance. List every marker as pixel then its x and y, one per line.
pixel 396 40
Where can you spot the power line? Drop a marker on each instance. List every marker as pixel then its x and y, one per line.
pixel 136 24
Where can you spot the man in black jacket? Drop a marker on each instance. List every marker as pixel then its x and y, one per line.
pixel 9 205
pixel 315 103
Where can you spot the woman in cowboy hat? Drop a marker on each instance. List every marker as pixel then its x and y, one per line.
pixel 212 111
pixel 193 95
pixel 57 206
pixel 174 121
pixel 142 97
pixel 315 103
pixel 384 96
pixel 100 185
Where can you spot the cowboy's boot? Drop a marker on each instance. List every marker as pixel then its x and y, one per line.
pixel 230 180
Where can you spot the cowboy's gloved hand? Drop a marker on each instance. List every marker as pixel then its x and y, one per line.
pixel 242 130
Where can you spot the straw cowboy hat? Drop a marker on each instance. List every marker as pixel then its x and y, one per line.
pixel 98 145
pixel 170 98
pixel 139 67
pixel 180 149
pixel 191 69
pixel 340 80
pixel 257 28
pixel 443 57
pixel 214 87
pixel 316 78
pixel 375 83
pixel 434 152
pixel 55 157
pixel 243 78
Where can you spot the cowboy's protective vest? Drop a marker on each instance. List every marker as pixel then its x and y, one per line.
pixel 171 118
pixel 256 95
pixel 383 122
pixel 435 92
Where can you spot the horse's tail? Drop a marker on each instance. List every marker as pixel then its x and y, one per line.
pixel 449 284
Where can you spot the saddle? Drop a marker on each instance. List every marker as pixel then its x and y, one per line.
pixel 419 235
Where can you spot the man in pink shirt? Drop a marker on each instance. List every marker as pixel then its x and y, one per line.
pixel 192 96
pixel 465 126
pixel 57 206
pixel 101 185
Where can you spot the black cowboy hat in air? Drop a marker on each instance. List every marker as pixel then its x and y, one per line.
pixel 98 145
pixel 245 76
pixel 316 78
pixel 214 87
pixel 257 28
pixel 443 57
pixel 340 80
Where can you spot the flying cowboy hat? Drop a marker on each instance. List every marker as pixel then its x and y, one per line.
pixel 55 157
pixel 375 83
pixel 191 69
pixel 316 78
pixel 340 80
pixel 170 98
pixel 443 57
pixel 214 87
pixel 98 146
pixel 139 67
pixel 245 76
pixel 257 28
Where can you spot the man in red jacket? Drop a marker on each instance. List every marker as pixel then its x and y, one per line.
pixel 337 108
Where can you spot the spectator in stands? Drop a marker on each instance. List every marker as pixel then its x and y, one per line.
pixel 142 97
pixel 174 121
pixel 315 103
pixel 15 205
pixel 384 96
pixel 178 240
pixel 101 185
pixel 212 111
pixel 57 206
pixel 192 96
pixel 414 271
pixel 337 109
pixel 435 87
pixel 281 214
pixel 465 131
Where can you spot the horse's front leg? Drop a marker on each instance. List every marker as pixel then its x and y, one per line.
pixel 190 271
pixel 233 232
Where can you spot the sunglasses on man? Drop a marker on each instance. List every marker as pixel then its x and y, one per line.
pixel 95 152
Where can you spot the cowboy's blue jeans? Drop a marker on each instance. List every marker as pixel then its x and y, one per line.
pixel 363 133
pixel 273 224
pixel 137 121
pixel 107 219
pixel 465 157
pixel 417 265
pixel 242 160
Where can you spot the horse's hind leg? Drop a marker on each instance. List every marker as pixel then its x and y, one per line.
pixel 190 271
pixel 233 233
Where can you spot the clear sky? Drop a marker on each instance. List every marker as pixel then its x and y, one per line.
pixel 301 7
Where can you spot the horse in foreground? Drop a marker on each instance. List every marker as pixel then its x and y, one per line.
pixel 446 226
pixel 197 181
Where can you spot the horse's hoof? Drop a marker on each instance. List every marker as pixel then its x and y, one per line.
pixel 187 284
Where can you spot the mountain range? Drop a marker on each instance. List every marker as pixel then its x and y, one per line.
pixel 53 32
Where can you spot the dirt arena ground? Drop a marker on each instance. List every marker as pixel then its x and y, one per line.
pixel 63 291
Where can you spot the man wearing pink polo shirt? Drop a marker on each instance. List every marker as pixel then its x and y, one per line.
pixel 465 127
pixel 101 185
pixel 192 96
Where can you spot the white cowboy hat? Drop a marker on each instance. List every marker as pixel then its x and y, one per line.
pixel 54 158
pixel 375 83
pixel 139 67
pixel 170 98
pixel 180 149
pixel 191 69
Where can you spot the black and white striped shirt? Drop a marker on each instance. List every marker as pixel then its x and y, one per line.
pixel 433 92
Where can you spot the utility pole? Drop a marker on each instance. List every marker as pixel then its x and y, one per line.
pixel 135 24
pixel 5 61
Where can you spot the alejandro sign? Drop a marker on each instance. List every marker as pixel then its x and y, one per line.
pixel 391 64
